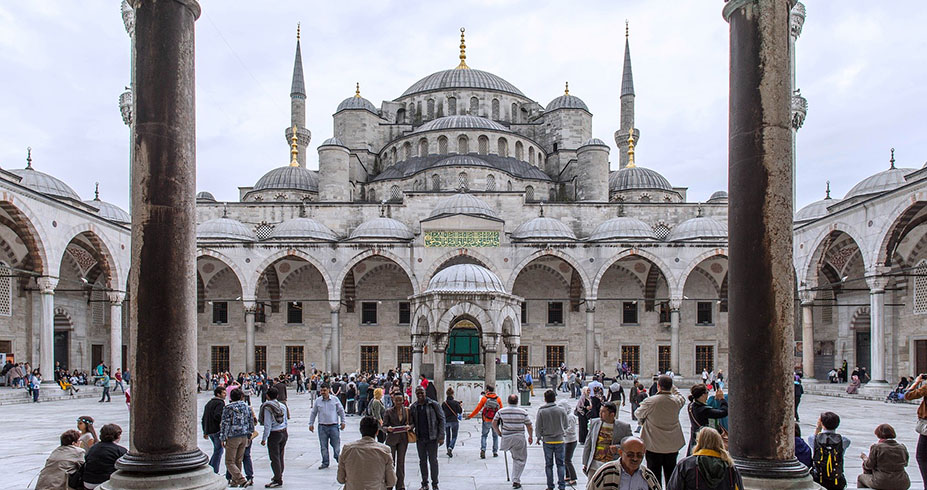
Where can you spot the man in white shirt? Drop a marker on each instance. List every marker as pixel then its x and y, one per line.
pixel 330 412
pixel 511 423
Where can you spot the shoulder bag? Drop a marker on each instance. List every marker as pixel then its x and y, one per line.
pixel 410 434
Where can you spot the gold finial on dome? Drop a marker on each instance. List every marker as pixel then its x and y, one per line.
pixel 631 148
pixel 463 52
pixel 357 90
pixel 627 29
pixel 566 88
pixel 294 149
pixel 297 31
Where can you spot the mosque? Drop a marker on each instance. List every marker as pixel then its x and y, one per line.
pixel 460 229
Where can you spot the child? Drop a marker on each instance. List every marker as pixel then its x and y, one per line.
pixel 828 448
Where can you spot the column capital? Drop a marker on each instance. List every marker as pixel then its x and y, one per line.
pixel 512 342
pixel 806 296
pixel 490 342
pixel 116 297
pixel 250 306
pixel 418 342
pixel 439 341
pixel 877 279
pixel 590 305
pixel 675 304
pixel 47 284
pixel 334 306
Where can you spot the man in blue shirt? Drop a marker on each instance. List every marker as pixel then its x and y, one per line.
pixel 330 412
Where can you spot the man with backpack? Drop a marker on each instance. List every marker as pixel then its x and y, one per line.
pixel 827 450
pixel 488 406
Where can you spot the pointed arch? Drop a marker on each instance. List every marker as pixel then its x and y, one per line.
pixel 819 245
pixel 231 264
pixel 569 259
pixel 901 220
pixel 373 252
pixel 440 262
pixel 31 230
pixel 104 247
pixel 631 252
pixel 293 253
pixel 466 309
pixel 680 282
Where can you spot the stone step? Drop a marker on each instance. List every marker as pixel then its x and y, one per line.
pixel 839 390
pixel 51 392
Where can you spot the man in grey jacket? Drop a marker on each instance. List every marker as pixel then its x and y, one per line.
pixel 428 423
pixel 604 439
pixel 549 426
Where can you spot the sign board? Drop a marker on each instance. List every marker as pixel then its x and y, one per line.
pixel 461 239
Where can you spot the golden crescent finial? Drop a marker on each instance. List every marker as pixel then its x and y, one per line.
pixel 627 29
pixel 294 149
pixel 631 148
pixel 357 90
pixel 566 88
pixel 463 52
pixel 297 31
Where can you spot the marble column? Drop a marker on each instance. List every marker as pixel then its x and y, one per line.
pixel 336 338
pixel 418 345
pixel 326 349
pixel 761 275
pixel 115 329
pixel 877 330
pixel 490 345
pixel 590 336
pixel 439 341
pixel 164 420
pixel 675 304
pixel 250 310
pixel 807 335
pixel 46 365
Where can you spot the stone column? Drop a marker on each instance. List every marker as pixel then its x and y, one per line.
pixel 115 329
pixel 250 310
pixel 877 331
pixel 336 338
pixel 439 341
pixel 590 335
pixel 761 275
pixel 490 345
pixel 807 335
pixel 418 345
pixel 46 365
pixel 675 304
pixel 326 348
pixel 163 421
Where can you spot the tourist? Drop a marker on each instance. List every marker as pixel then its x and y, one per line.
pixel 88 435
pixel 662 433
pixel 273 417
pixel 710 467
pixel 397 422
pixel 453 412
pixel 428 424
pixel 105 381
pixel 605 435
pixel 376 409
pixel 280 384
pixel 529 382
pixel 884 468
pixel 799 391
pixel 235 433
pixel 211 421
pixel 583 411
pixel 828 448
pixel 569 441
pixel 363 388
pixel 616 393
pixel 61 463
pixel 101 459
pixel 853 387
pixel 626 472
pixel 550 427
pixel 511 423
pixel 117 376
pixel 636 396
pixel 700 412
pixel 35 382
pixel 331 417
pixel 488 406
pixel 365 463
pixel 918 390
pixel 802 450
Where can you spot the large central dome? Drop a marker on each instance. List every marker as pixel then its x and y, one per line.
pixel 461 78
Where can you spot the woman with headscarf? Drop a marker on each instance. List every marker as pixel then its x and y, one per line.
pixel 583 412
pixel 709 468
pixel 853 387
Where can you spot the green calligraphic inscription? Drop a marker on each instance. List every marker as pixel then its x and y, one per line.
pixel 462 239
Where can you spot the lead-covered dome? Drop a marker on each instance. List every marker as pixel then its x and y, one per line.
pixel 699 228
pixel 303 228
pixel 415 165
pixel 542 228
pixel 357 102
pixel 381 228
pixel 623 227
pixel 718 197
pixel 44 183
pixel 634 178
pixel 883 181
pixel 224 229
pixel 461 78
pixel 205 196
pixel 465 278
pixel 110 211
pixel 815 210
pixel 464 203
pixel 460 122
pixel 290 178
pixel 567 101
pixel 594 142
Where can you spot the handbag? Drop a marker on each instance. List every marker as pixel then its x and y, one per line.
pixel 409 434
pixel 921 427
pixel 459 415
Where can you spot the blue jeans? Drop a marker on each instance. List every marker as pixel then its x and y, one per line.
pixel 450 433
pixel 554 453
pixel 329 434
pixel 216 458
pixel 487 428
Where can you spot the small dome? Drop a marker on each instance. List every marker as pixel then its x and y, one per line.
pixel 567 102
pixel 110 212
pixel 509 165
pixel 205 196
pixel 381 229
pixel 594 142
pixel 467 278
pixel 815 210
pixel 224 229
pixel 468 78
pixel 44 183
pixel 883 181
pixel 460 122
pixel 623 227
pixel 333 141
pixel 303 228
pixel 464 203
pixel 718 197
pixel 296 178
pixel 700 228
pixel 543 229
pixel 631 178
pixel 357 102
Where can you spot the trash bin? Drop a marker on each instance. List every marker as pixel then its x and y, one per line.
pixel 525 397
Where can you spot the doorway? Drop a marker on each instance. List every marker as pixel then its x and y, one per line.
pixel 920 357
pixel 862 351
pixel 62 348
pixel 96 355
pixel 463 346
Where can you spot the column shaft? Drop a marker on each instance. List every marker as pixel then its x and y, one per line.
pixel 47 328
pixel 674 341
pixel 489 364
pixel 877 335
pixel 249 338
pixel 807 340
pixel 439 373
pixel 590 340
pixel 115 336
pixel 336 341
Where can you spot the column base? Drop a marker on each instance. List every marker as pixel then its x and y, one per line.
pixel 876 388
pixel 198 479
pixel 754 483
pixel 772 470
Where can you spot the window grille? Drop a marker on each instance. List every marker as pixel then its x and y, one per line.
pixel 463 145
pixel 522 357
pixel 436 182
pixel 6 290
pixel 462 181
pixel 661 231
pixel 483 145
pixel 219 360
pixel 490 183
pixel 293 355
pixel 451 106
pixel 503 147
pixel 403 354
pixel 519 150
pixel 631 354
pixel 263 231
pixel 370 359
pixel 395 194
pixel 664 358
pixel 629 313
pixel 423 147
pixel 556 356
pixel 529 193
pixel 555 313
pixel 442 145
pixel 474 106
pixel 294 312
pixel 369 312
pixel 260 358
pixel 495 109
pixel 704 358
pixel 220 312
pixel 920 288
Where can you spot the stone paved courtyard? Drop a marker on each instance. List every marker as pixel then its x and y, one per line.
pixel 31 432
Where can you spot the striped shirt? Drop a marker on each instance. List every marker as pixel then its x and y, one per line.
pixel 512 420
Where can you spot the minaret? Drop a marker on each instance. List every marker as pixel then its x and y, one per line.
pixel 298 106
pixel 626 126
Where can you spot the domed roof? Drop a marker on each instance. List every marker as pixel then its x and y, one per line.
pixel 109 211
pixel 44 183
pixel 302 228
pixel 455 78
pixel 205 196
pixel 464 203
pixel 883 181
pixel 567 101
pixel 381 228
pixel 333 141
pixel 630 178
pixel 594 141
pixel 623 227
pixel 542 228
pixel 718 196
pixel 460 122
pixel 289 177
pixel 468 278
pixel 224 229
pixel 415 165
pixel 699 228
pixel 815 210
pixel 357 102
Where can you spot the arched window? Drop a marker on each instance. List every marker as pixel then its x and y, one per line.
pixel 463 181
pixel 6 290
pixel 451 106
pixel 463 144
pixel 372 195
pixel 439 111
pixel 514 112
pixel 502 147
pixel 395 194
pixel 531 155
pixel 529 193
pixel 495 109
pixel 490 183
pixel 553 194
pixel 392 155
pixel 442 145
pixel 483 145
pixel 423 147
pixel 508 186
pixel 436 182
pixel 519 150
pixel 401 116
pixel 431 108
pixel 540 160
pixel 920 287
pixel 418 112
pixel 407 150
pixel 474 106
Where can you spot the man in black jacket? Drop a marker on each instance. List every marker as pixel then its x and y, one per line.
pixel 428 422
pixel 212 419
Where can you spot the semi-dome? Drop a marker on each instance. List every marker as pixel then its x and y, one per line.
pixel 303 228
pixel 110 211
pixel 333 141
pixel 205 196
pixel 718 197
pixel 699 228
pixel 381 228
pixel 567 101
pixel 594 142
pixel 224 229
pixel 464 203
pixel 542 228
pixel 415 165
pixel 632 178
pixel 465 278
pixel 460 122
pixel 289 177
pixel 456 78
pixel 44 183
pixel 623 227
pixel 357 102
pixel 883 181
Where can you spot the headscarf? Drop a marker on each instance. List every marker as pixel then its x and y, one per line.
pixel 583 398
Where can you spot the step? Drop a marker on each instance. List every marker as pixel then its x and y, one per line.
pixel 51 393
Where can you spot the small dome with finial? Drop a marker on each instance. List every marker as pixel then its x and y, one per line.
pixel 356 102
pixel 817 209
pixel 42 182
pixel 883 181
pixel 106 210
pixel 567 101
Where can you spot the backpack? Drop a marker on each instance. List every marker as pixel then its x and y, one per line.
pixel 491 407
pixel 827 461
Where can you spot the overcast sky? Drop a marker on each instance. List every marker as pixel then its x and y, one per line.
pixel 861 65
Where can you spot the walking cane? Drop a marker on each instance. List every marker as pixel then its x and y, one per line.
pixel 505 456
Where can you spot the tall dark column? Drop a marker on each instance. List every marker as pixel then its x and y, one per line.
pixel 760 244
pixel 163 425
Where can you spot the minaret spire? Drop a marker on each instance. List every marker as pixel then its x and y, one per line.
pixel 297 127
pixel 626 125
